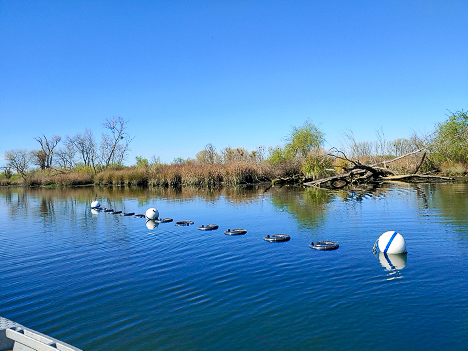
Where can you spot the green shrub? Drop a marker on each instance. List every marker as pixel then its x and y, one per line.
pixel 450 142
pixel 317 165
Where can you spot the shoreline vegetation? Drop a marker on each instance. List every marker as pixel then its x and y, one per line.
pixel 81 161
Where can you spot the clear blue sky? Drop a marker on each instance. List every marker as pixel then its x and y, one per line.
pixel 231 73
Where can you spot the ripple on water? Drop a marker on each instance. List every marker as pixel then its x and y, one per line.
pixel 109 282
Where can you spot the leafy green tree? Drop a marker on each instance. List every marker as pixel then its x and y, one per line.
pixel 277 155
pixel 142 162
pixel 450 142
pixel 303 140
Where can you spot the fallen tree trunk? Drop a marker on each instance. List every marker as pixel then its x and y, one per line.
pixel 360 174
pixel 417 178
pixel 355 176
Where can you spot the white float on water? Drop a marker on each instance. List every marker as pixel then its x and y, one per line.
pixel 152 213
pixel 95 204
pixel 392 242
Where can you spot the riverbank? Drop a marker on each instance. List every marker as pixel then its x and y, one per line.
pixel 174 175
pixel 198 175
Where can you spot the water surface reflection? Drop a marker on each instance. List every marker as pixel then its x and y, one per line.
pixel 110 282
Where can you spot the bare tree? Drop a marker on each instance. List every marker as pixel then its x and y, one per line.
pixel 18 160
pixel 85 145
pixel 45 155
pixel 155 160
pixel 211 154
pixel 115 146
pixel 66 155
pixel 39 158
pixel 208 155
pixel 235 155
pixel 7 171
pixel 259 154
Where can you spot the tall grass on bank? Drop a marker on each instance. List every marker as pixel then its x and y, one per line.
pixel 130 176
pixel 208 175
pixel 161 175
pixel 59 179
pixel 192 174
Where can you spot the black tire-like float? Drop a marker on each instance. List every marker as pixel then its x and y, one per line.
pixel 277 238
pixel 208 227
pixel 319 245
pixel 324 245
pixel 163 220
pixel 182 223
pixel 235 231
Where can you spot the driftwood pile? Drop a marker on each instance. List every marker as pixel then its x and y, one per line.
pixel 364 174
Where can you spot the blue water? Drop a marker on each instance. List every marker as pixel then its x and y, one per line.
pixel 108 282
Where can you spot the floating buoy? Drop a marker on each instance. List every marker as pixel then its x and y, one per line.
pixel 182 223
pixel 392 261
pixel 391 242
pixel 324 245
pixel 235 231
pixel 276 238
pixel 116 212
pixel 152 213
pixel 108 210
pixel 140 215
pixel 128 214
pixel 95 204
pixel 164 220
pixel 208 227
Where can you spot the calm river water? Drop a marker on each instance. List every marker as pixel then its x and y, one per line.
pixel 102 281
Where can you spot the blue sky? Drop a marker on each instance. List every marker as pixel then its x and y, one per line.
pixel 231 73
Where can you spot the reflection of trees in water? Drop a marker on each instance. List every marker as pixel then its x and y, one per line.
pixel 66 200
pixel 451 200
pixel 363 192
pixel 309 206
pixel 244 194
pixel 46 209
pixel 236 194
pixel 16 200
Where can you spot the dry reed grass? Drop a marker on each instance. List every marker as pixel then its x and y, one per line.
pixel 59 179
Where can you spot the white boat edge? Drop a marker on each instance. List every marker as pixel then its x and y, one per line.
pixel 14 336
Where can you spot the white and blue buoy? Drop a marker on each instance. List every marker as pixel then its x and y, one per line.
pixel 152 213
pixel 391 242
pixel 95 204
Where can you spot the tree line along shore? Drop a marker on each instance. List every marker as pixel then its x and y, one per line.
pixel 82 160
